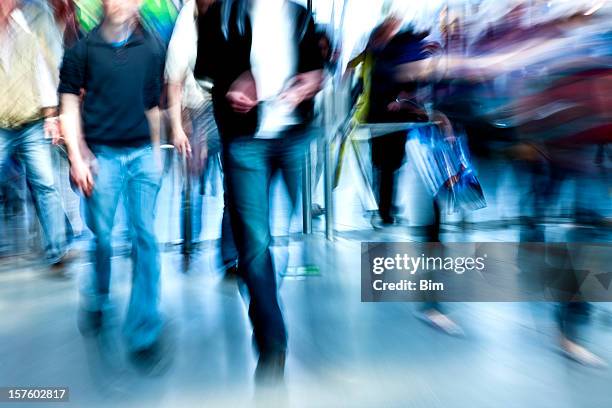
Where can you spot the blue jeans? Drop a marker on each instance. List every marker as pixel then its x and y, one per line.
pixel 205 129
pixel 249 166
pixel 133 173
pixel 28 145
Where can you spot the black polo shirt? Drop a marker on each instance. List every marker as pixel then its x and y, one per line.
pixel 121 82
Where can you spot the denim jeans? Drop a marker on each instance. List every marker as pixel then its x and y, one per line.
pixel 249 166
pixel 71 201
pixel 229 253
pixel 133 173
pixel 29 145
pixel 205 132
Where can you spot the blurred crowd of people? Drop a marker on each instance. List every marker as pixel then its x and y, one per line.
pixel 90 90
pixel 527 82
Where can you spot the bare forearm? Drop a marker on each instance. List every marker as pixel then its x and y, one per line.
pixel 154 118
pixel 71 125
pixel 175 93
pixel 305 87
pixel 175 111
pixel 314 81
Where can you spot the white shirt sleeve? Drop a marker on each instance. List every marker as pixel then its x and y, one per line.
pixel 181 57
pixel 46 87
pixel 182 46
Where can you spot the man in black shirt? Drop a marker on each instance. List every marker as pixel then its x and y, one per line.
pixel 114 77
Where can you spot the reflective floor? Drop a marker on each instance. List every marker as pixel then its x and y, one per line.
pixel 342 353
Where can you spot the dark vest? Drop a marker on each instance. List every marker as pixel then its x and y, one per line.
pixel 224 53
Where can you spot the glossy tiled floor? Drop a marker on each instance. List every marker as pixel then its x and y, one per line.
pixel 342 353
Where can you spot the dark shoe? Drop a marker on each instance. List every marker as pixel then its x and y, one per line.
pixel 270 368
pixel 317 211
pixel 149 361
pixel 231 271
pixel 58 266
pixel 379 222
pixel 90 323
pixel 388 220
pixel 156 359
pixel 58 270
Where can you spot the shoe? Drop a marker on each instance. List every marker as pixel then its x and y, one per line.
pixel 58 265
pixel 90 323
pixel 317 211
pixel 156 359
pixel 388 221
pixel 151 361
pixel 231 271
pixel 58 270
pixel 379 222
pixel 441 322
pixel 580 354
pixel 270 368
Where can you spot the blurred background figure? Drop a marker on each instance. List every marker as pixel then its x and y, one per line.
pixel 55 24
pixel 266 67
pixel 119 68
pixel 560 120
pixel 190 107
pixel 547 107
pixel 28 121
pixel 393 101
pixel 157 16
pixel 387 99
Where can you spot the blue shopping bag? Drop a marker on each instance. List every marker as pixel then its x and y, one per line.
pixel 445 168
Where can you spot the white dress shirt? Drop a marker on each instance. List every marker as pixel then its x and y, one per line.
pixel 273 64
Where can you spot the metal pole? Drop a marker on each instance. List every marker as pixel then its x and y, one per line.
pixel 307 192
pixel 331 126
pixel 309 6
pixel 187 227
pixel 329 197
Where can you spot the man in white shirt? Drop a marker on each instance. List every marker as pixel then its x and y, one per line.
pixel 28 114
pixel 189 102
pixel 266 66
